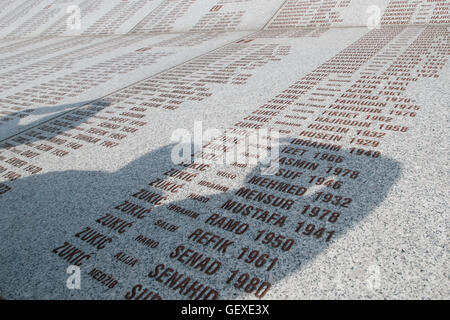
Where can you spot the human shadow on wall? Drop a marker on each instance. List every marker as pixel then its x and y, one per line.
pixel 43 211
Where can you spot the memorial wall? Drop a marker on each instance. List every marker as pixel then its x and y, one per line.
pixel 224 149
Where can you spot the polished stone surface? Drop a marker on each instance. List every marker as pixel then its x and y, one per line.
pixel 92 119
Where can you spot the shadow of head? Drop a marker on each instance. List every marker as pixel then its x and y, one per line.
pixel 271 230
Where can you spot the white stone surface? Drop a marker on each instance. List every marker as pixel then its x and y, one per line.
pixel 139 71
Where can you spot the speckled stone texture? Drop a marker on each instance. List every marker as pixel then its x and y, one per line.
pixel 354 96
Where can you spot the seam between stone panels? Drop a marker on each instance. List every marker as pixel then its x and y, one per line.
pixel 128 86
